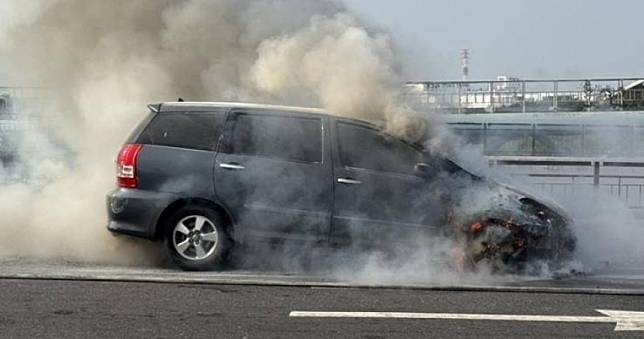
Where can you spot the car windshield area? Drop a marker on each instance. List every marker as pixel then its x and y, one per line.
pixel 448 165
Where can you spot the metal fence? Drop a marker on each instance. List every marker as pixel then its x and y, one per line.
pixel 566 177
pixel 20 101
pixel 548 139
pixel 516 95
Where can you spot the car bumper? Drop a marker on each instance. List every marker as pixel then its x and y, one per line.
pixel 136 212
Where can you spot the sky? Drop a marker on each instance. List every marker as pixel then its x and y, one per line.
pixel 524 38
pixel 530 39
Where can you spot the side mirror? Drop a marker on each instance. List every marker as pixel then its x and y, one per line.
pixel 423 170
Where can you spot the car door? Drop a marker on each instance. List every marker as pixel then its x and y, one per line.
pixel 377 196
pixel 273 174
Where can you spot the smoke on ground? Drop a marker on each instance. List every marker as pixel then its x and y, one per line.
pixel 103 61
pixel 608 233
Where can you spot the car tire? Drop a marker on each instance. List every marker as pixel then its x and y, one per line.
pixel 196 239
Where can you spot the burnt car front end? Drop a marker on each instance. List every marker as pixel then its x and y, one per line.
pixel 515 230
pixel 503 227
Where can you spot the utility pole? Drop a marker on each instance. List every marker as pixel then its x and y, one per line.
pixel 465 64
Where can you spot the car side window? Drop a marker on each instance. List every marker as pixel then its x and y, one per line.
pixel 184 129
pixel 296 139
pixel 363 147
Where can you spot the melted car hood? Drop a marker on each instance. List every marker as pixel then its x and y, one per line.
pixel 514 194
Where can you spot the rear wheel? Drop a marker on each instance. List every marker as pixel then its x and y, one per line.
pixel 196 239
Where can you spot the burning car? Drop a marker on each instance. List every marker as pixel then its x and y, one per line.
pixel 511 228
pixel 204 177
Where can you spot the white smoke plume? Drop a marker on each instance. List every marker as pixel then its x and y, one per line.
pixel 103 61
pixel 609 233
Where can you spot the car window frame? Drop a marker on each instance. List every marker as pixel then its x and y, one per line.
pixel 378 131
pixel 150 119
pixel 229 129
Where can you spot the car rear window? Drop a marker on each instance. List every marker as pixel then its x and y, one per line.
pixel 367 148
pixel 279 137
pixel 184 129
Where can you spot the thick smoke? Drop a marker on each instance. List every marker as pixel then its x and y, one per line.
pixel 608 232
pixel 103 61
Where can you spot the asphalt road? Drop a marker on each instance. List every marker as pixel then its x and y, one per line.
pixel 45 298
pixel 613 281
pixel 86 309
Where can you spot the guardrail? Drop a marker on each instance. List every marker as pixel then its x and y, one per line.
pixel 623 178
pixel 549 139
pixel 516 95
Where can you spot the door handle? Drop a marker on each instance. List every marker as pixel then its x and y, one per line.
pixel 349 181
pixel 232 166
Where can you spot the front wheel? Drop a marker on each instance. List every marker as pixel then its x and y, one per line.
pixel 500 245
pixel 196 239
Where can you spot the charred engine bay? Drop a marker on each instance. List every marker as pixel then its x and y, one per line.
pixel 508 230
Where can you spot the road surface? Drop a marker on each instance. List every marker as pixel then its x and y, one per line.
pixel 87 309
pixel 71 300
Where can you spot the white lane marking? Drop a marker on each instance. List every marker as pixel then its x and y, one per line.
pixel 625 320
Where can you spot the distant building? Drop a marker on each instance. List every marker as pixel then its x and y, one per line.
pixel 507 84
pixel 633 94
pixel 511 94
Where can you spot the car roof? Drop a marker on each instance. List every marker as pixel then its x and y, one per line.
pixel 203 106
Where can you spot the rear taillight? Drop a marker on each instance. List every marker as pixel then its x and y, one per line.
pixel 126 165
